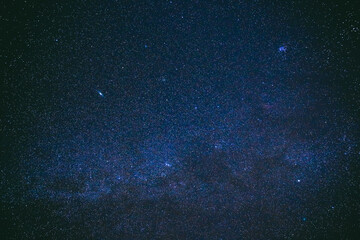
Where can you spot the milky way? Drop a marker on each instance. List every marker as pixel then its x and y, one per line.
pixel 172 120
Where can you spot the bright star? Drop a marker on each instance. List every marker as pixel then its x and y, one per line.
pixel 100 93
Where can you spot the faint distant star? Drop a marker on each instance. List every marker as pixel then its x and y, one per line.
pixel 283 49
pixel 298 180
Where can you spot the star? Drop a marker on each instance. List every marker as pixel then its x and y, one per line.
pixel 283 49
pixel 100 93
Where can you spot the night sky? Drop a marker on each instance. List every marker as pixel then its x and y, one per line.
pixel 175 119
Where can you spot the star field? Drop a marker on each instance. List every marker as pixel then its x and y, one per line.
pixel 180 120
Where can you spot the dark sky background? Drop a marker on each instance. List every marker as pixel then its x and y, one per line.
pixel 180 119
